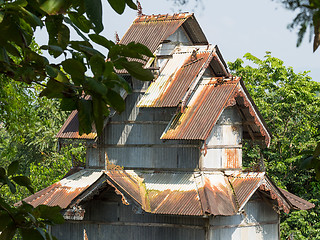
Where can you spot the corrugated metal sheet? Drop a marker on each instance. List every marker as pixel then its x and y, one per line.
pixel 70 128
pixel 150 30
pixel 63 192
pixel 296 201
pixel 193 194
pixel 245 184
pixel 187 193
pixel 176 77
pixel 202 112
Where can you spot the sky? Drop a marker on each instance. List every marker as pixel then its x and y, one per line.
pixel 237 27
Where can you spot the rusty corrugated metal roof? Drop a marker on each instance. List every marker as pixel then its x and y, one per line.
pixel 296 201
pixel 176 77
pixel 63 192
pixel 202 112
pixel 151 30
pixel 183 193
pixel 70 128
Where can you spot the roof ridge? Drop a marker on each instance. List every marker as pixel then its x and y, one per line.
pixel 162 17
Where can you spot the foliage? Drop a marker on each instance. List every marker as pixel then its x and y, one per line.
pixel 67 80
pixel 31 222
pixel 290 104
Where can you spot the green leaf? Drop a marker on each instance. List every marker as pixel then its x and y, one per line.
pixel 12 50
pixel 22 181
pixel 97 64
pixel 54 48
pixel 101 41
pixel 51 71
pixel 140 48
pixel 13 168
pixel 131 4
pixel 11 186
pixel 85 116
pixel 68 104
pixel 55 6
pixel 8 233
pixel 74 67
pixel 31 234
pixel 80 21
pixel 3 55
pixel 5 220
pixel 136 70
pixel 29 17
pixel 54 89
pixel 2 172
pixel 100 111
pixel 116 101
pixel 94 13
pixel 1 16
pixel 51 213
pixel 96 87
pixel 118 5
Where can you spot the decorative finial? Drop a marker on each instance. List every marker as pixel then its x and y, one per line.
pixel 116 36
pixel 139 8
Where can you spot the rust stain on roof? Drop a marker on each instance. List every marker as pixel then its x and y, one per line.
pixel 187 193
pixel 202 112
pixel 65 191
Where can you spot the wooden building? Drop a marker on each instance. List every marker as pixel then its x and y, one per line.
pixel 179 145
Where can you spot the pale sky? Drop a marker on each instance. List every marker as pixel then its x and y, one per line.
pixel 237 27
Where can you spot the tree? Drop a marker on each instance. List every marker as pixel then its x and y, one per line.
pixel 290 104
pixel 67 80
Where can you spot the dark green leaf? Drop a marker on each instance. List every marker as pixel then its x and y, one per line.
pixel 12 50
pixel 140 48
pixel 96 87
pixel 5 220
pixel 29 17
pixel 22 180
pixel 118 5
pixel 80 21
pixel 74 67
pixel 101 41
pixel 97 64
pixel 100 111
pixel 131 4
pixel 1 16
pixel 51 71
pixel 13 168
pixel 116 101
pixel 94 13
pixel 2 172
pixel 8 233
pixel 3 55
pixel 85 116
pixel 136 70
pixel 30 234
pixel 90 51
pixel 54 6
pixel 68 104
pixel 54 89
pixel 11 186
pixel 54 48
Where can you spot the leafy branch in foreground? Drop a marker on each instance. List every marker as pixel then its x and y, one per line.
pixel 67 80
pixel 29 222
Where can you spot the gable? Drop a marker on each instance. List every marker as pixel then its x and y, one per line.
pixel 151 30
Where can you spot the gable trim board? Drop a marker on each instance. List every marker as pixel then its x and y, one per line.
pixel 188 193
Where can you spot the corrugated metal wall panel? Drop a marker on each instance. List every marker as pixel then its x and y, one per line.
pixel 151 157
pixel 260 222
